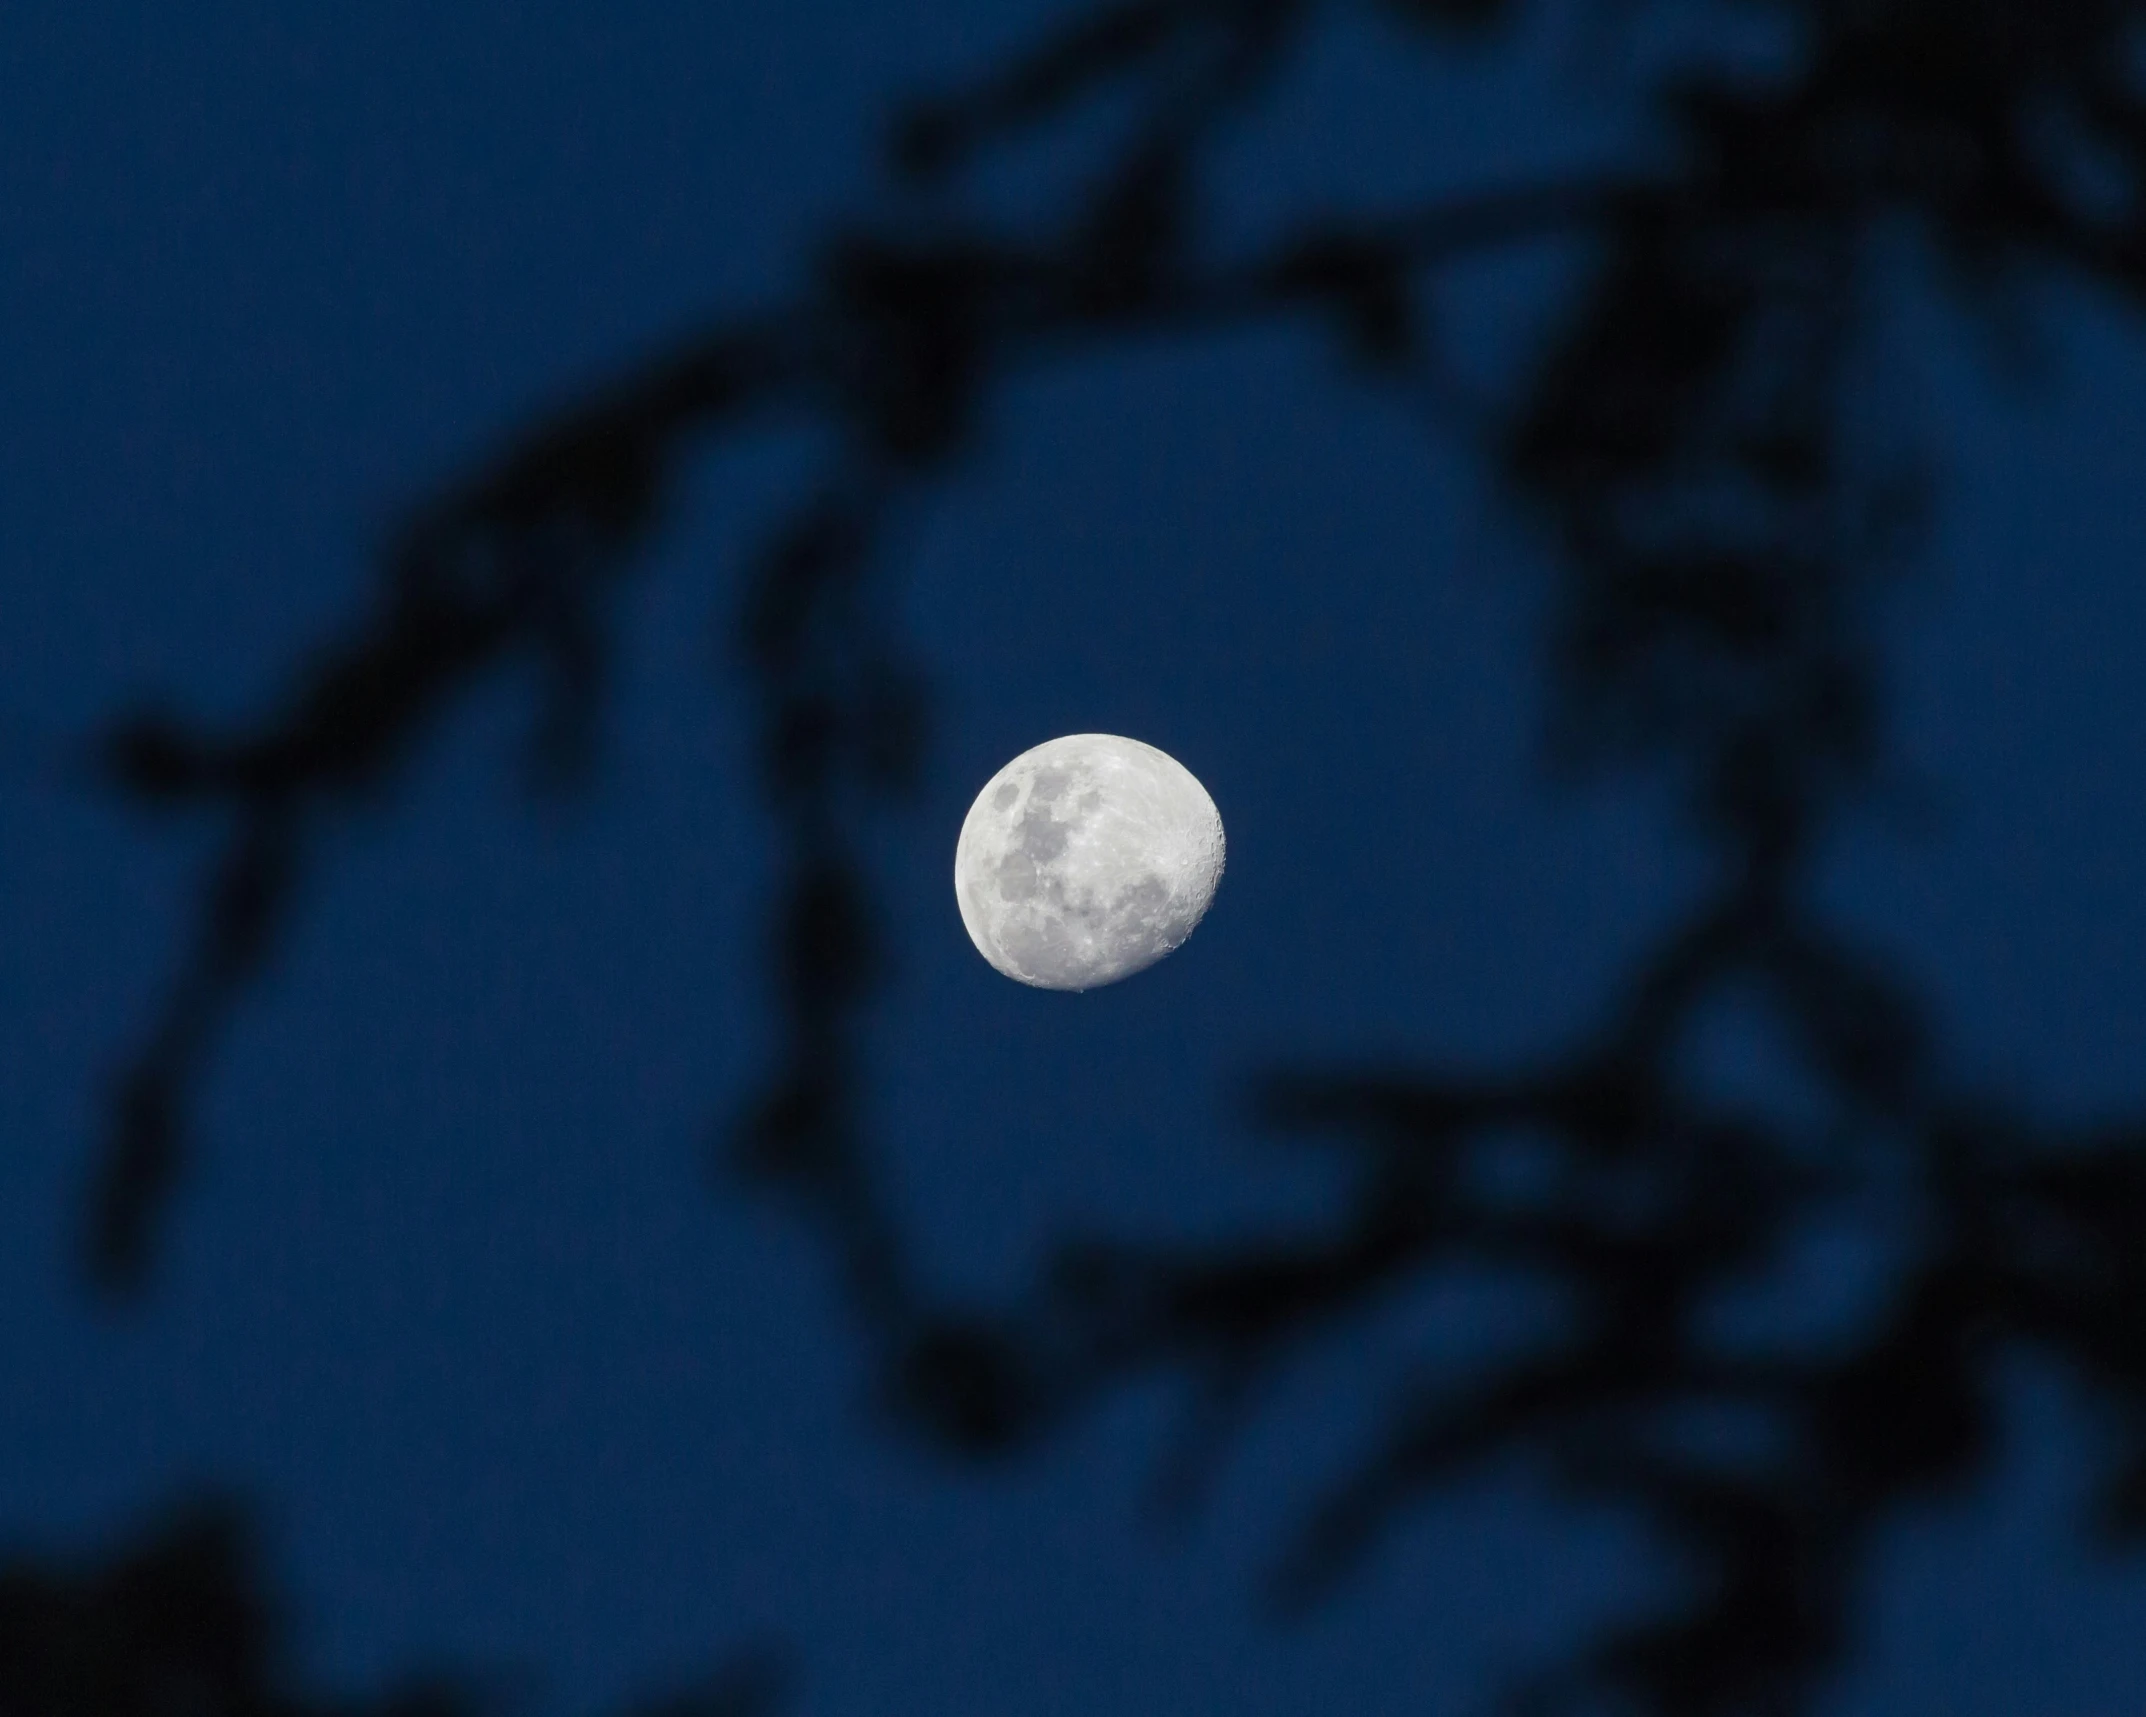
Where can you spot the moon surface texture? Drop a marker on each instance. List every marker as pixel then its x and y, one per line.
pixel 1086 860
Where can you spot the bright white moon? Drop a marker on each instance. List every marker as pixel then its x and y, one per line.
pixel 1086 860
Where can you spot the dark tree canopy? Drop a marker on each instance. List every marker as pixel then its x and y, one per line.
pixel 1689 437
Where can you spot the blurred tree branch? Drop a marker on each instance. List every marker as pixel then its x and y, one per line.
pixel 176 1626
pixel 1687 439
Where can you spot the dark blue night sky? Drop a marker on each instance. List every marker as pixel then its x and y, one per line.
pixel 455 1296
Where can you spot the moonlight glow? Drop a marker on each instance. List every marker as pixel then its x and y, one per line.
pixel 1086 860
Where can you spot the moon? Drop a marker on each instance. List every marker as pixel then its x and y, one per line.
pixel 1085 860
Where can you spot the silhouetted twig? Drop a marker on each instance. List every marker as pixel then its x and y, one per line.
pixel 179 1624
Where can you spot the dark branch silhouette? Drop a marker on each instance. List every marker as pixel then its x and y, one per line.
pixel 1688 439
pixel 178 1624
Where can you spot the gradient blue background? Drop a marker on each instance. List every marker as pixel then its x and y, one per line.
pixel 451 1293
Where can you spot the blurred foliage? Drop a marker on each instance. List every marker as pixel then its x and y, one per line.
pixel 1687 437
